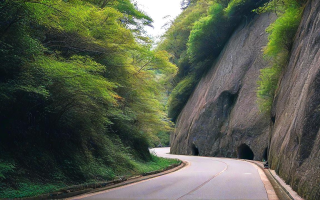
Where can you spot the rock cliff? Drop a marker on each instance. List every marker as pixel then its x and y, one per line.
pixel 222 118
pixel 295 136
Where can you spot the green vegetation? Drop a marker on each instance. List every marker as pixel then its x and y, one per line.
pixel 27 188
pixel 180 95
pixel 155 164
pixel 281 34
pixel 204 36
pixel 175 42
pixel 195 40
pixel 81 94
pixel 164 137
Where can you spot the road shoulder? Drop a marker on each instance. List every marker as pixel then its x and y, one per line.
pixel 267 184
pixel 279 187
pixel 129 181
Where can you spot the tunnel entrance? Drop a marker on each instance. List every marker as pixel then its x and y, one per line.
pixel 244 152
pixel 273 119
pixel 195 150
pixel 265 154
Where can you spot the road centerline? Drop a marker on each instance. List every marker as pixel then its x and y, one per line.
pixel 200 186
pixel 203 178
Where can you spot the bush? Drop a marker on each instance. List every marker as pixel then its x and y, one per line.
pixel 282 31
pixel 277 51
pixel 237 8
pixel 5 168
pixel 180 95
pixel 208 35
pixel 267 85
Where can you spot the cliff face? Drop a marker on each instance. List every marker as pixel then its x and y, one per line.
pixel 222 118
pixel 295 136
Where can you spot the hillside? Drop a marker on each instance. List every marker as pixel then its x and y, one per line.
pixel 81 94
pixel 247 85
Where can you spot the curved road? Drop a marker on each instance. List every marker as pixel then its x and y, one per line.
pixel 203 178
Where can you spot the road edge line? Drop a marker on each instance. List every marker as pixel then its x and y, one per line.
pixel 79 190
pixel 271 193
pixel 132 180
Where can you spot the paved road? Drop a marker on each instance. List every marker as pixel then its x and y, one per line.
pixel 204 178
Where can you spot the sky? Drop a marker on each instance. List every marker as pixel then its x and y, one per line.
pixel 157 9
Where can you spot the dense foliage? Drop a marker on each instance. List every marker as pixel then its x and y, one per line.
pixel 175 42
pixel 281 34
pixel 196 39
pixel 80 92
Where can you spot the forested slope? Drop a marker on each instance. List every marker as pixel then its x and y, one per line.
pixel 80 93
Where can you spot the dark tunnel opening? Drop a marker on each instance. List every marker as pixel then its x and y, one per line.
pixel 228 101
pixel 244 152
pixel 273 119
pixel 195 150
pixel 265 154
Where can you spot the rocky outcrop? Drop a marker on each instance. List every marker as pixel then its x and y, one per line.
pixel 295 136
pixel 221 117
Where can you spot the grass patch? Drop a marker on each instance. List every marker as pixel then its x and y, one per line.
pixel 155 164
pixel 15 186
pixel 29 189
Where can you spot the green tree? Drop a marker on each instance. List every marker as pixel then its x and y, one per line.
pixel 81 91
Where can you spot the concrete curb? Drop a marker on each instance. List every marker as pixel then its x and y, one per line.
pixel 284 189
pixel 98 187
pixel 287 188
pixel 272 195
pixel 281 192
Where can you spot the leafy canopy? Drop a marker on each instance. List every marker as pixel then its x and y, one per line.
pixel 81 90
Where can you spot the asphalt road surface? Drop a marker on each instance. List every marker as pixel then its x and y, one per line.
pixel 203 178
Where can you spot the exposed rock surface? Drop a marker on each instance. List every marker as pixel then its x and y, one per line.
pixel 222 118
pixel 295 136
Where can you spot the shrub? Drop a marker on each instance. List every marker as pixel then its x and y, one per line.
pixel 277 51
pixel 180 95
pixel 5 168
pixel 208 35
